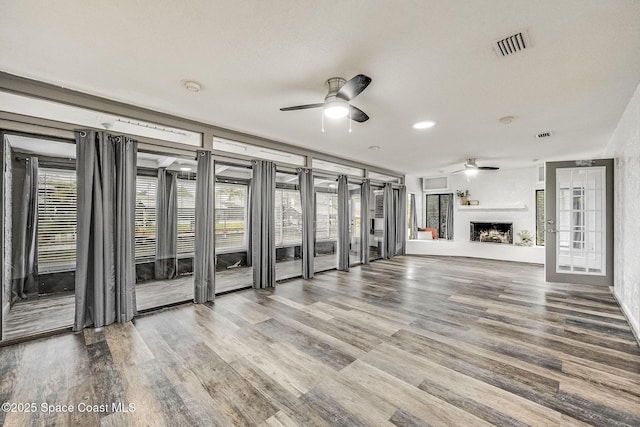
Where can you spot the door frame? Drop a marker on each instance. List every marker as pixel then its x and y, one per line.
pixel 550 215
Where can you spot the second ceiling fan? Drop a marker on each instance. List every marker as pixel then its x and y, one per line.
pixel 471 167
pixel 336 102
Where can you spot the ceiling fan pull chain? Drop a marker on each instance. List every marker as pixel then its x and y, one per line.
pixel 322 127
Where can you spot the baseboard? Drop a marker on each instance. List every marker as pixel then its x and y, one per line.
pixel 625 311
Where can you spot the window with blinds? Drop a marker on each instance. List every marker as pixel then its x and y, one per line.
pixel 145 235
pixel 326 216
pixel 288 217
pixel 186 215
pixel 231 216
pixel 56 219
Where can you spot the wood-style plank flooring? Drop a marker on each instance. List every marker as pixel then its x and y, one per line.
pixel 412 341
pixel 52 312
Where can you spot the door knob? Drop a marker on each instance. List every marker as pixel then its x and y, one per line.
pixel 551 230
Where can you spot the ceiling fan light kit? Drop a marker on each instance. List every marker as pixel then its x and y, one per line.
pixel 336 109
pixel 336 103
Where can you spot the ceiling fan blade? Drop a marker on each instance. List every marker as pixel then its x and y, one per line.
pixel 357 114
pixel 488 168
pixel 353 87
pixel 302 107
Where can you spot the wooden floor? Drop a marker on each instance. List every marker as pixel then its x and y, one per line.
pixel 52 312
pixel 413 341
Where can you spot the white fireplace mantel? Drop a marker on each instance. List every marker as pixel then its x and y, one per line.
pixel 492 207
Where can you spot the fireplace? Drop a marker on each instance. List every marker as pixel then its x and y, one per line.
pixel 492 232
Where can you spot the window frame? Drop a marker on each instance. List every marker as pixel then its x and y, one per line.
pixel 57 267
pixel 244 248
pixel 540 210
pixel 282 243
pixel 182 255
pixel 145 258
pixel 442 233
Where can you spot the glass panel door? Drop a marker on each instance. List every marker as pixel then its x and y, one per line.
pixel 580 198
pixel 376 227
pixel 288 226
pixel 40 226
pixel 326 242
pixel 355 248
pixel 233 262
pixel 164 207
pixel 578 222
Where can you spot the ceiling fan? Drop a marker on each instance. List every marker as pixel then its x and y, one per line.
pixel 471 167
pixel 341 92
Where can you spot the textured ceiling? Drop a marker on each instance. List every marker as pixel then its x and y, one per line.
pixel 429 60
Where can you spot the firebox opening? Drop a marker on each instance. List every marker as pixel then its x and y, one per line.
pixel 492 232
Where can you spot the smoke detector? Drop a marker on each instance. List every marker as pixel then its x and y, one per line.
pixel 512 44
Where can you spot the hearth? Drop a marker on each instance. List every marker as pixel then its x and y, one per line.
pixel 492 232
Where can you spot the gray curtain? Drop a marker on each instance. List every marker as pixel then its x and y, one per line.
pixel 205 254
pixel 343 223
pixel 414 217
pixel 248 226
pixel 25 237
pixel 401 220
pixel 305 180
pixel 450 217
pixel 105 265
pixel 263 224
pixel 166 264
pixel 389 245
pixel 365 202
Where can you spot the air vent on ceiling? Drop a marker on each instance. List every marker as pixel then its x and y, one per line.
pixel 544 135
pixel 512 44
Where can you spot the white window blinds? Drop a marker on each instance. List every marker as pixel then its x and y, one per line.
pixel 146 217
pixel 231 216
pixel 56 219
pixel 186 216
pixel 288 217
pixel 326 216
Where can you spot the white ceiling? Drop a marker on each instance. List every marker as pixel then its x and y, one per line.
pixel 429 60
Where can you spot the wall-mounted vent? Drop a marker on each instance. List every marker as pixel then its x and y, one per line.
pixel 544 135
pixel 439 183
pixel 512 44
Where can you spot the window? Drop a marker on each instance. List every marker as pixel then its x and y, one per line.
pixel 326 216
pixel 288 217
pixel 56 219
pixel 231 216
pixel 437 213
pixel 257 151
pixel 145 234
pixel 336 167
pixel 186 215
pixel 540 217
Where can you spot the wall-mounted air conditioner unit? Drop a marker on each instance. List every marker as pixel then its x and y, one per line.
pixel 438 183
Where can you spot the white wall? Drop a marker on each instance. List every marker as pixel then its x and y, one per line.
pixel 505 187
pixel 624 147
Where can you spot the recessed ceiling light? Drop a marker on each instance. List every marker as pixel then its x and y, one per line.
pixel 424 125
pixel 192 86
pixel 505 120
pixel 374 147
